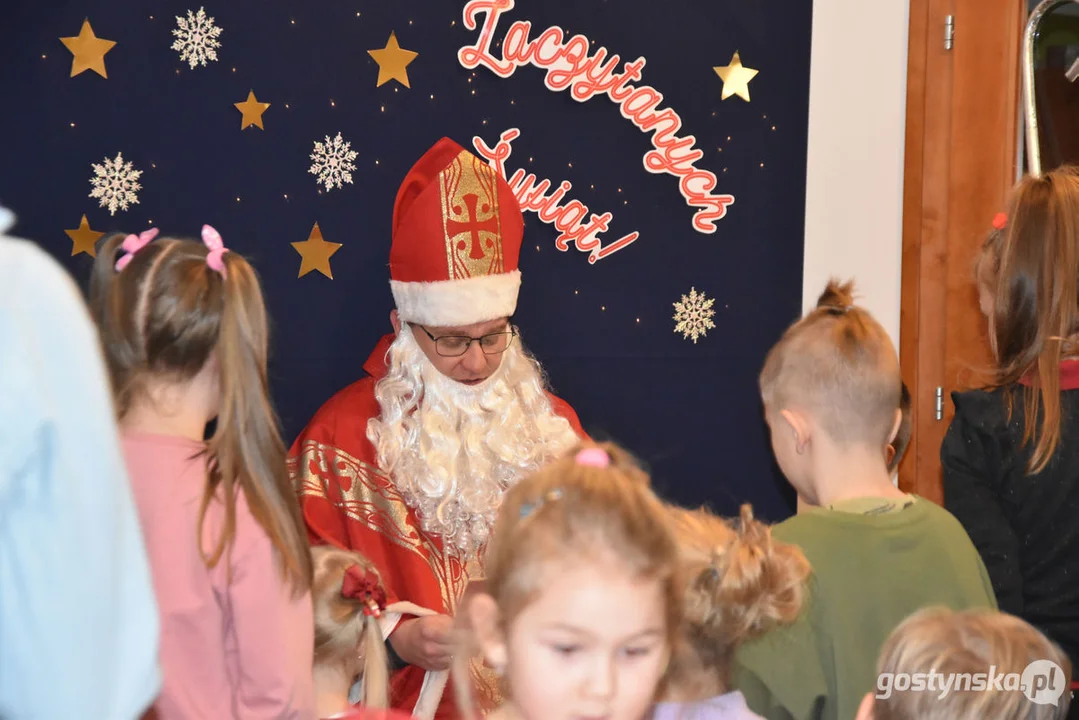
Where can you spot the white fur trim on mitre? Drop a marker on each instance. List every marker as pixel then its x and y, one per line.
pixel 451 303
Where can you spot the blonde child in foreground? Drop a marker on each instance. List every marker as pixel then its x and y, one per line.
pixel 831 392
pixel 739 583
pixel 581 603
pixel 350 603
pixel 937 646
pixel 185 334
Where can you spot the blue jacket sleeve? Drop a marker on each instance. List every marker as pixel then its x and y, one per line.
pixel 78 621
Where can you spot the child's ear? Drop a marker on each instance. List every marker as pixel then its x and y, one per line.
pixel 895 426
pixel 889 455
pixel 800 426
pixel 865 710
pixel 485 620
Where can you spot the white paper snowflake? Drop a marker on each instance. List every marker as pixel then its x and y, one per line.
pixel 196 38
pixel 333 162
pixel 693 316
pixel 115 184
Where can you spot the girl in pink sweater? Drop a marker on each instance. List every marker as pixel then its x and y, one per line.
pixel 185 335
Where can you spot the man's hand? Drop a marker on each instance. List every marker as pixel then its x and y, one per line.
pixel 425 642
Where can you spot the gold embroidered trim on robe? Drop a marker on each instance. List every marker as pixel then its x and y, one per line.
pixel 365 493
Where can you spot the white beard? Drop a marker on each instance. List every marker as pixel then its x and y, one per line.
pixel 453 449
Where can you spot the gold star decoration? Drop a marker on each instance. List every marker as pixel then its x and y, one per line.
pixel 316 253
pixel 252 111
pixel 89 51
pixel 83 239
pixel 392 61
pixel 735 77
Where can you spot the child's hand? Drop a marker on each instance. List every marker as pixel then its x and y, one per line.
pixel 425 642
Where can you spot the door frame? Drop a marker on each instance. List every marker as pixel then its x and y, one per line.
pixel 959 162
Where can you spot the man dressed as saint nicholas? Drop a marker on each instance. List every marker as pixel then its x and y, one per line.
pixel 408 464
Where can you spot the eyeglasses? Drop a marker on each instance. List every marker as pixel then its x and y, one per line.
pixel 458 345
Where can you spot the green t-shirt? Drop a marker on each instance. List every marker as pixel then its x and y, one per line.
pixel 870 572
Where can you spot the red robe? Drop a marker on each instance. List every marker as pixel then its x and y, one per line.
pixel 348 501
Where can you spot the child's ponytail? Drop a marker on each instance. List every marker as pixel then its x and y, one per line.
pixel 112 296
pixel 247 447
pixel 759 583
pixel 837 297
pixel 348 598
pixel 740 582
pixel 376 667
pixel 104 271
pixel 850 331
pixel 1035 319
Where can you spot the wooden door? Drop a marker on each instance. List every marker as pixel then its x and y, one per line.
pixel 960 161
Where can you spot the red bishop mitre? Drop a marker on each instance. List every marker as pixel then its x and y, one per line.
pixel 457 232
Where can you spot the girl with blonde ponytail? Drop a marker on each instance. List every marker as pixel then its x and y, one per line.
pixel 350 607
pixel 185 334
pixel 739 583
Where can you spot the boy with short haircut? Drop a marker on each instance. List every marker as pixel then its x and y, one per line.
pixel 832 393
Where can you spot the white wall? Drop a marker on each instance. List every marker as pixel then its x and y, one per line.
pixel 854 182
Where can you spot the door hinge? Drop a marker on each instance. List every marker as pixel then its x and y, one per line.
pixel 940 403
pixel 949 32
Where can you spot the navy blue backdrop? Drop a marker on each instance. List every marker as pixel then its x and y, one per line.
pixel 605 331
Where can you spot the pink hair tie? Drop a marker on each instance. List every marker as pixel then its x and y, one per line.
pixel 1000 221
pixel 593 457
pixel 215 260
pixel 132 244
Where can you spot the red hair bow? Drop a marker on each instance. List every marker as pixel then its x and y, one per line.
pixel 364 585
pixel 1000 220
